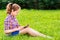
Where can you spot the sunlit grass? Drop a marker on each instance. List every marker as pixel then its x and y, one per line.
pixel 44 21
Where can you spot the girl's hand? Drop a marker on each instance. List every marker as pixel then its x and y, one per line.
pixel 20 28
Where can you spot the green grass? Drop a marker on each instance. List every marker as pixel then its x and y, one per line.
pixel 44 21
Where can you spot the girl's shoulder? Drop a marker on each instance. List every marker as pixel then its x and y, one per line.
pixel 7 18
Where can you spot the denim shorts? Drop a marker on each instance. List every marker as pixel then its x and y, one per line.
pixel 14 33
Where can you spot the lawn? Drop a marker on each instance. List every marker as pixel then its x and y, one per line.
pixel 44 21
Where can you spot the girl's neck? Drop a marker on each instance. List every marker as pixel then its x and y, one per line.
pixel 13 15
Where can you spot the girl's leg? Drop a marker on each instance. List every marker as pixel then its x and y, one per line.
pixel 29 31
pixel 32 32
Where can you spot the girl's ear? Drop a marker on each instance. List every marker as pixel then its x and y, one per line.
pixel 12 11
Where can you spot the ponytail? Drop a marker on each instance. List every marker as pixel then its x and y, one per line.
pixel 9 8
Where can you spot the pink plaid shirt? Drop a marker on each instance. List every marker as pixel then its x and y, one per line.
pixel 10 22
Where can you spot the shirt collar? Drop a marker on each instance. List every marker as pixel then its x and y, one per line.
pixel 11 16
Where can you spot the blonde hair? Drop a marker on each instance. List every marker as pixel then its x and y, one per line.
pixel 11 7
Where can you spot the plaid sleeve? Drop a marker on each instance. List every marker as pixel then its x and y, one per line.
pixel 8 24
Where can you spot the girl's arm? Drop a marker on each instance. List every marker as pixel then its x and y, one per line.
pixel 12 30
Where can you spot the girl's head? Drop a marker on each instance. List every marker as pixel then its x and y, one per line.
pixel 12 8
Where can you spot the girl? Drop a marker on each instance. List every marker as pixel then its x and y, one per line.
pixel 11 24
